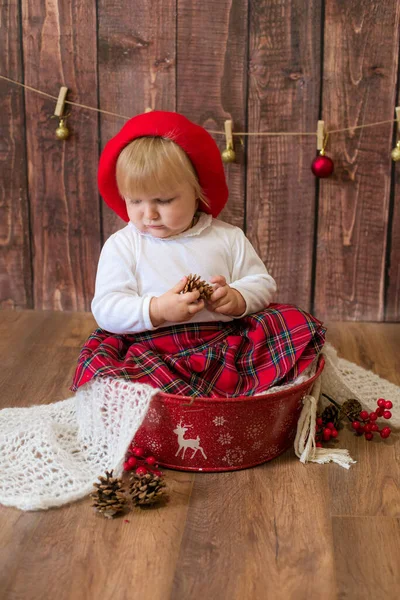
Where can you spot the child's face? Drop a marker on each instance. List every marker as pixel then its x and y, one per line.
pixel 163 215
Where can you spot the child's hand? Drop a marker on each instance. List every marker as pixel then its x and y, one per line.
pixel 225 300
pixel 174 306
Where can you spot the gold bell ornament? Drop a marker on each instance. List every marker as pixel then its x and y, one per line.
pixel 396 150
pixel 62 131
pixel 228 155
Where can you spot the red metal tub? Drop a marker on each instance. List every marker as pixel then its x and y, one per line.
pixel 222 434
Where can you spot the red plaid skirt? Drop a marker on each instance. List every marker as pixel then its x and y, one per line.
pixel 242 357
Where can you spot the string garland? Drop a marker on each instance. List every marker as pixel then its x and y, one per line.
pixel 229 155
pixel 239 133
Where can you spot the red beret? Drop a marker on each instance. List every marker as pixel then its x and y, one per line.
pixel 193 139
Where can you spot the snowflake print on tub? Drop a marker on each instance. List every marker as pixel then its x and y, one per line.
pixel 257 445
pixel 255 431
pixel 225 439
pixel 286 423
pixel 218 421
pixel 272 451
pixel 274 413
pixel 153 445
pixel 153 416
pixel 234 456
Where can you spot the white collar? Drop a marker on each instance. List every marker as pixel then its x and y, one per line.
pixel 203 222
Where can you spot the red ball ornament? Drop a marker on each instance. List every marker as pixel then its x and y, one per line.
pixel 381 402
pixel 388 404
pixel 364 415
pixel 387 414
pixel 151 460
pixel 322 166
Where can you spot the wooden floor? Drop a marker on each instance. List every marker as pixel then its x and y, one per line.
pixel 281 531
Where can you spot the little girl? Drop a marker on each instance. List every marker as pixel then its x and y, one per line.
pixel 164 176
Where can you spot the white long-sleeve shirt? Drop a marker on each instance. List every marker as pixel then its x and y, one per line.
pixel 135 266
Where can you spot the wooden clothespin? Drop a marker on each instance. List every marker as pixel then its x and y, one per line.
pixel 59 112
pixel 320 135
pixel 228 155
pixel 397 109
pixel 62 131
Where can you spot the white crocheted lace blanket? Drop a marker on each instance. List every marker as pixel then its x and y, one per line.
pixel 51 455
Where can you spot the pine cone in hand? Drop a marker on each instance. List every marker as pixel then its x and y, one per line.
pixel 146 489
pixel 194 282
pixel 108 498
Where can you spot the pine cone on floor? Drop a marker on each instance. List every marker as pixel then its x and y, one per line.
pixel 351 408
pixel 108 498
pixel 146 489
pixel 194 282
pixel 331 414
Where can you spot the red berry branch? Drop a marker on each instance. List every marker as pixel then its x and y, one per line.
pixel 136 459
pixel 365 424
pixel 368 426
pixel 327 432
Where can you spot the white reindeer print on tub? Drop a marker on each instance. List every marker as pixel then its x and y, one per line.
pixel 183 443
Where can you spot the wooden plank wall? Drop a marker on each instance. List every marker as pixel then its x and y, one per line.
pixel 270 65
pixel 59 44
pixel 353 225
pixel 284 87
pixel 16 284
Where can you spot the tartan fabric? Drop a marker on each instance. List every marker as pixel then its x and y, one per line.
pixel 214 359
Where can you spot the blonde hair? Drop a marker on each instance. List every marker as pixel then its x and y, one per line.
pixel 150 164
